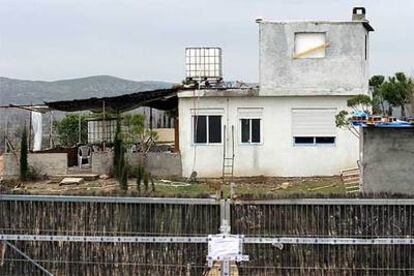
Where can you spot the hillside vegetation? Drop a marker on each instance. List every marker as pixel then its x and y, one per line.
pixel 25 92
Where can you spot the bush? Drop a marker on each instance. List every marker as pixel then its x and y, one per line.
pixel 34 174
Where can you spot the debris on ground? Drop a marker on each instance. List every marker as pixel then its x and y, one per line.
pixel 71 181
pixel 321 187
pixel 104 176
pixel 246 187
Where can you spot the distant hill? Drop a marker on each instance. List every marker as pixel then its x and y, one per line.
pixel 25 92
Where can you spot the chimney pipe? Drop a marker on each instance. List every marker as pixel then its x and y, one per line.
pixel 358 14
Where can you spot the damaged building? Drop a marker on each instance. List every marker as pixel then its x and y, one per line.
pixel 286 127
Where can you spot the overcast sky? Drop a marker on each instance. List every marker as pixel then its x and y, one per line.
pixel 145 40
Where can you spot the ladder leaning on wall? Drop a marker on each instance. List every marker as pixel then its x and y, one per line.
pixel 228 158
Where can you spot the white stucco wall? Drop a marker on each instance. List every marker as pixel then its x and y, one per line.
pixel 343 70
pixel 277 155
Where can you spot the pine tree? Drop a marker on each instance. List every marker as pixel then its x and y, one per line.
pixel 24 168
pixel 118 147
pixel 123 178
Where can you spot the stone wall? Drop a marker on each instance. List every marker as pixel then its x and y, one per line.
pixel 388 160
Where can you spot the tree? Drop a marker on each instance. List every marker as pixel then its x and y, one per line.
pixel 68 129
pixel 24 167
pixel 134 126
pixel 398 91
pixel 118 149
pixel 360 103
pixel 136 133
pixel 378 97
pixel 123 173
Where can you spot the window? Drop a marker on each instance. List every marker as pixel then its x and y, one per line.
pixel 207 129
pixel 250 131
pixel 313 126
pixel 366 47
pixel 314 140
pixel 304 140
pixel 310 45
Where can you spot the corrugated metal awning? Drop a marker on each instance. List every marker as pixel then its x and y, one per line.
pixel 163 99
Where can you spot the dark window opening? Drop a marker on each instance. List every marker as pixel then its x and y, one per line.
pixel 200 129
pixel 250 131
pixel 214 129
pixel 314 140
pixel 255 130
pixel 304 140
pixel 366 47
pixel 207 128
pixel 245 130
pixel 325 140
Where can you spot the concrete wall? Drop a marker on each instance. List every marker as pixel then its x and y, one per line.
pixel 158 163
pixel 388 160
pixel 343 71
pixel 45 163
pixel 102 162
pixel 276 155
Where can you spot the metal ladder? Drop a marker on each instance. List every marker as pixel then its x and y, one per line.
pixel 228 159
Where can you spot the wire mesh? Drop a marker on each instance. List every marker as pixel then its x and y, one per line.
pixel 325 220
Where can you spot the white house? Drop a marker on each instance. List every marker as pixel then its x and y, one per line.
pixel 308 70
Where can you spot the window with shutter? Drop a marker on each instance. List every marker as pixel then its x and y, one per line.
pixel 313 126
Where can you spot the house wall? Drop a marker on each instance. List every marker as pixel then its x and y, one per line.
pixel 45 163
pixel 343 71
pixel 277 155
pixel 388 160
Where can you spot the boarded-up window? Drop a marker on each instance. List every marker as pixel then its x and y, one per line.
pixel 207 129
pixel 310 45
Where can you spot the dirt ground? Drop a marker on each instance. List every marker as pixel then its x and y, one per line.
pixel 252 187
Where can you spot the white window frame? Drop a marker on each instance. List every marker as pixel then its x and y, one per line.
pixel 207 129
pixel 314 144
pixel 251 131
pixel 314 136
pixel 250 113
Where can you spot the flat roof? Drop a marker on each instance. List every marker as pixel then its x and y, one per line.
pixel 227 92
pixel 365 23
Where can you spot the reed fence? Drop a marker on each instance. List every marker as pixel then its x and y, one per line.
pixel 116 216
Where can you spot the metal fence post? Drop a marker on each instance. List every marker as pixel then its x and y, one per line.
pixel 225 229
